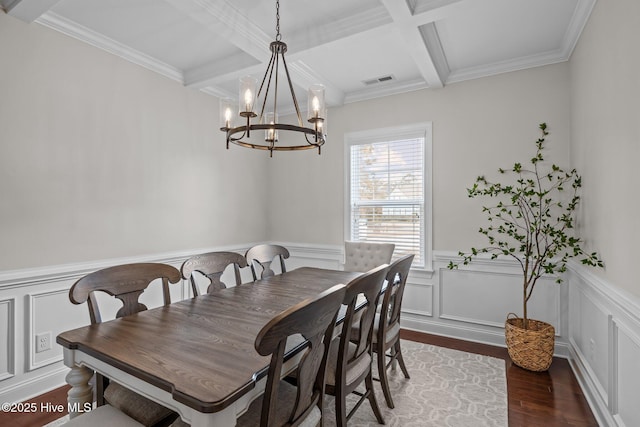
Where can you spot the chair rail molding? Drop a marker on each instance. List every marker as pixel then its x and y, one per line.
pixel 598 325
pixel 30 302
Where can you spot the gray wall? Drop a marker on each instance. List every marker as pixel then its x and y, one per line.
pixel 605 136
pixel 478 126
pixel 101 158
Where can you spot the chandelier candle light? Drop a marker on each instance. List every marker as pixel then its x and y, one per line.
pixel 249 98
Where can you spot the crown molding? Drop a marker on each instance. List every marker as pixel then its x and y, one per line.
pixel 79 32
pixel 385 90
pixel 538 60
pixel 578 21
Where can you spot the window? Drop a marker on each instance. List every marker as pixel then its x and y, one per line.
pixel 389 190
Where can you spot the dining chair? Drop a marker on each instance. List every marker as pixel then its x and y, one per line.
pixel 364 256
pixel 350 361
pixel 212 265
pixel 386 326
pixel 282 403
pixel 126 283
pixel 264 255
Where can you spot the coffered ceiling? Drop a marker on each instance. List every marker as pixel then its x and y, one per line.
pixel 359 49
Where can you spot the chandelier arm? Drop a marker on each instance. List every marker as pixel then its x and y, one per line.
pixel 317 142
pixel 293 94
pixel 266 91
pixel 264 78
pixel 275 93
pixel 230 133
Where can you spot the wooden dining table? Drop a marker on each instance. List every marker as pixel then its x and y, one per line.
pixel 195 356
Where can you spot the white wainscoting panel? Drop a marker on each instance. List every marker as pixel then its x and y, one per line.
pixel 485 298
pixel 51 311
pixel 597 326
pixel 472 302
pixel 590 335
pixel 605 347
pixel 35 301
pixel 625 405
pixel 418 299
pixel 7 338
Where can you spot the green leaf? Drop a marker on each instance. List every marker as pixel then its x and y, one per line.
pixel 531 218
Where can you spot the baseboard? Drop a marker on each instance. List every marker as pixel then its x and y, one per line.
pixel 585 378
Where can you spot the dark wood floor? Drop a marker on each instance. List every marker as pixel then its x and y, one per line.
pixel 536 399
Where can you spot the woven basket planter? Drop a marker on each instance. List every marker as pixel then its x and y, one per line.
pixel 532 348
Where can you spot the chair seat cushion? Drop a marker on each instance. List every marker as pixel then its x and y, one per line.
pixel 286 398
pixel 354 372
pixel 391 335
pixel 143 410
pixel 392 332
pixel 103 416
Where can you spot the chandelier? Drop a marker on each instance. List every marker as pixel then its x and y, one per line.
pixel 267 118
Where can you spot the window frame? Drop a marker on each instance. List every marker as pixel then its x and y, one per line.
pixel 387 134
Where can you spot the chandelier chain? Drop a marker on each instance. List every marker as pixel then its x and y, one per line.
pixel 278 35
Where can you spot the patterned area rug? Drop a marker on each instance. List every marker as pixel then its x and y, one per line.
pixel 447 388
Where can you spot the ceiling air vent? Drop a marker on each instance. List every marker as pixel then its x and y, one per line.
pixel 378 80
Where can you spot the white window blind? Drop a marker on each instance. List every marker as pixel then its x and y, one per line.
pixel 387 194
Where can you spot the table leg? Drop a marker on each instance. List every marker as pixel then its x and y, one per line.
pixel 80 397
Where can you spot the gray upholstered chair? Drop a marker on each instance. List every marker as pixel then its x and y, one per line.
pixel 125 282
pixel 364 256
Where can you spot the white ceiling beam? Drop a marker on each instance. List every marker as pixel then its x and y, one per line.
pixel 89 36
pixel 223 19
pixel 435 51
pixel 338 29
pixel 416 24
pixel 228 22
pixel 217 72
pixel 435 10
pixel 28 10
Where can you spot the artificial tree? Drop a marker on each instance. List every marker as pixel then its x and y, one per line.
pixel 532 221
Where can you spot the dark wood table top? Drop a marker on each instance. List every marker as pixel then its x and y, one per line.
pixel 201 350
